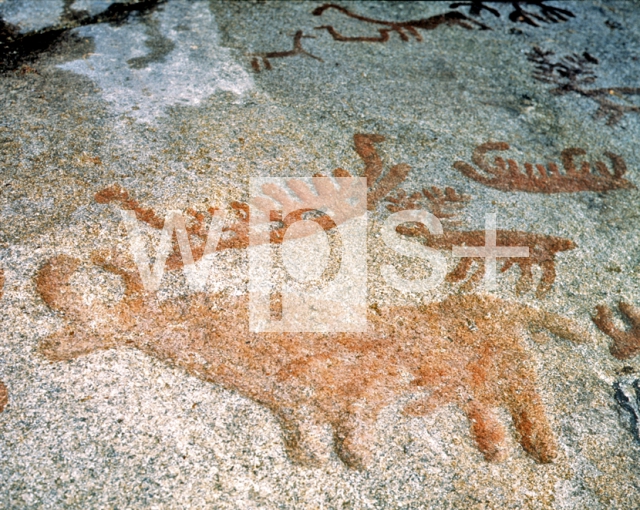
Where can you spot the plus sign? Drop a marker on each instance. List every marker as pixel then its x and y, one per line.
pixel 490 251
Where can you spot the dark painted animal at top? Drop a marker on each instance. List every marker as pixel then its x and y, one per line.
pixel 403 28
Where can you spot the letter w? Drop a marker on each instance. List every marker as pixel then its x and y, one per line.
pixel 195 273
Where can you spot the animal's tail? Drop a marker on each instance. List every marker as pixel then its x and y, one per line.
pixel 561 326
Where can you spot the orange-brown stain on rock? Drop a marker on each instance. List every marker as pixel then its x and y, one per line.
pixel 4 396
pixel 507 176
pixel 468 350
pixel 626 344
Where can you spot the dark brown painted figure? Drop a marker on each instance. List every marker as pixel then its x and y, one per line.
pixel 507 175
pixel 297 50
pixel 573 73
pixel 626 344
pixel 402 28
pixel 519 14
pixel 467 350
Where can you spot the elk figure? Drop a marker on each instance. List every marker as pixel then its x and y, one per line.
pixel 467 350
pixel 507 176
pixel 542 252
pixel 402 28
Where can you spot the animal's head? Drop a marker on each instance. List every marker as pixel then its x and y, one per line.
pixel 561 244
pixel 76 339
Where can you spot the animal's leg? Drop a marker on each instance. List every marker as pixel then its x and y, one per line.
pixel 354 437
pixel 413 32
pixel 530 421
pixel 461 270
pixel 626 344
pixel 487 431
pixel 561 326
pixel 526 278
pixel 4 396
pixel 302 436
pixel 475 277
pixel 547 279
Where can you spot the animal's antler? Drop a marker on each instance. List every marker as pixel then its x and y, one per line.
pixel 344 201
pixel 569 71
pixel 507 176
pixel 340 199
pixel 546 14
pixel 325 195
pixel 378 185
pixel 444 205
pixel 626 344
pixel 234 235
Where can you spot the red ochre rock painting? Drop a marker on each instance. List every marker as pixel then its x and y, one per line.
pixel 467 350
pixel 507 175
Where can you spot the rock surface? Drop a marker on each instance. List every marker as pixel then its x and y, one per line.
pixel 525 394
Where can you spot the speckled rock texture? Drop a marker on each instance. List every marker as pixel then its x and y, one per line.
pixel 460 394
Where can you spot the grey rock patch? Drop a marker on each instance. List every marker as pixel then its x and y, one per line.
pixel 143 87
pixel 31 14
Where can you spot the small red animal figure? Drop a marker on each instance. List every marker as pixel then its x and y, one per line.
pixel 542 252
pixel 507 176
